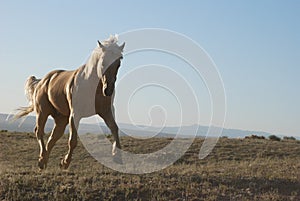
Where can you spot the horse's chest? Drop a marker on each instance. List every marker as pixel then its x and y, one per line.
pixel 83 98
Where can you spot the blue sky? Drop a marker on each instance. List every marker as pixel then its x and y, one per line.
pixel 255 45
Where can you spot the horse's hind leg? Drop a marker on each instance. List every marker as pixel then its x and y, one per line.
pixel 57 132
pixel 39 132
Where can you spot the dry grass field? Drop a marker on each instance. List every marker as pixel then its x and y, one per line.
pixel 237 169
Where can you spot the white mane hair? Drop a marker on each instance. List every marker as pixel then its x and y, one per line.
pixel 113 39
pixel 110 46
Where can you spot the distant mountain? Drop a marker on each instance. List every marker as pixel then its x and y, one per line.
pixel 126 129
pixel 192 130
pixel 27 125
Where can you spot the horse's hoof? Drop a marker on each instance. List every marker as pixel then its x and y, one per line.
pixel 63 165
pixel 117 158
pixel 41 165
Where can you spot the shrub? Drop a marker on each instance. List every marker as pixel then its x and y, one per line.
pixel 289 138
pixel 274 138
pixel 255 137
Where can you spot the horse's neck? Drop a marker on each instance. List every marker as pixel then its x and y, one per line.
pixel 90 68
pixel 89 72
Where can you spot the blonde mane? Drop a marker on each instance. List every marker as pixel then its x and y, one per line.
pixel 113 39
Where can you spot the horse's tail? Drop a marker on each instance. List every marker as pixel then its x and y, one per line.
pixel 23 111
pixel 30 86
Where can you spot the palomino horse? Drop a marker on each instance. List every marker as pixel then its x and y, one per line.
pixel 69 96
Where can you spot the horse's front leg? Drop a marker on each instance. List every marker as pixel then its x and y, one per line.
pixel 73 123
pixel 112 125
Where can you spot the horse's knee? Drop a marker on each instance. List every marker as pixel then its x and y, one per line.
pixel 57 134
pixel 73 131
pixel 115 130
pixel 51 141
pixel 38 133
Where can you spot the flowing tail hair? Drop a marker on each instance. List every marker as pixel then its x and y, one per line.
pixel 30 86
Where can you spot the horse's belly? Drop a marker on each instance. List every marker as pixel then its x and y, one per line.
pixel 60 103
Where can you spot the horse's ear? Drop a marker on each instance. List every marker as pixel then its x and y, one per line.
pixel 100 44
pixel 122 46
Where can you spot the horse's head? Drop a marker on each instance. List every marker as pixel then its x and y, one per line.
pixel 109 64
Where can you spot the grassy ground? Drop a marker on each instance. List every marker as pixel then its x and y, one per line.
pixel 236 170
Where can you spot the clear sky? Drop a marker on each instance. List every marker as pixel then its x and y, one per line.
pixel 255 45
